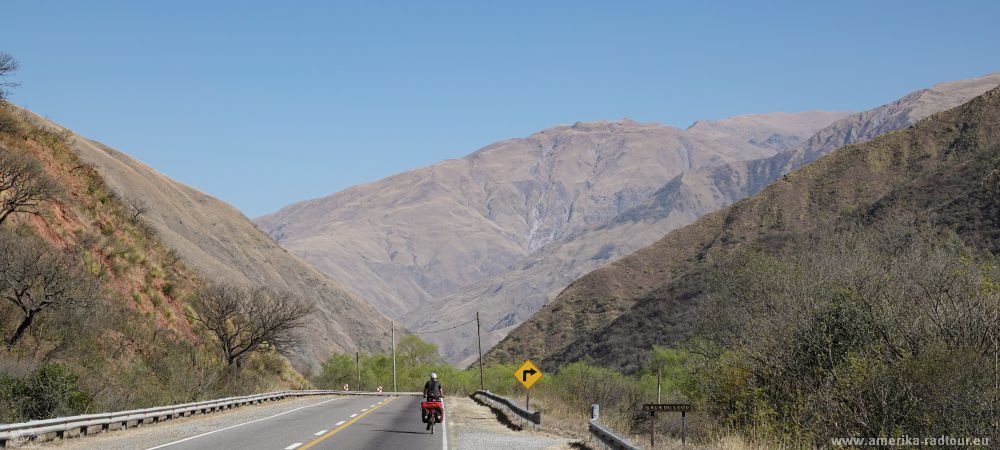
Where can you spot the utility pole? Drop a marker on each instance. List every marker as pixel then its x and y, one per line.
pixel 482 384
pixel 357 362
pixel 392 338
pixel 659 370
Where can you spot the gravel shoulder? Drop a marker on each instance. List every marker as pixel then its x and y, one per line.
pixel 474 426
pixel 151 435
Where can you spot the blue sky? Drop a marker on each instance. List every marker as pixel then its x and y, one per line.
pixel 267 103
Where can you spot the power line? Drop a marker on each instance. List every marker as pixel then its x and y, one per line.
pixel 443 330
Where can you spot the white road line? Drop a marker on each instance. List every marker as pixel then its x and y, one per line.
pixel 354 415
pixel 244 423
pixel 444 429
pixel 290 447
pixel 365 409
pixel 319 432
pixel 339 423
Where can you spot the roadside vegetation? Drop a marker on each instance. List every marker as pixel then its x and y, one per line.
pixel 886 329
pixel 95 313
pixel 889 329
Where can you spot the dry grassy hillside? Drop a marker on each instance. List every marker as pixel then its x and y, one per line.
pixel 127 343
pixel 223 245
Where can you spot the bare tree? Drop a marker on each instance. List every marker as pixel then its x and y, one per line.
pixel 23 184
pixel 134 208
pixel 8 65
pixel 247 320
pixel 35 277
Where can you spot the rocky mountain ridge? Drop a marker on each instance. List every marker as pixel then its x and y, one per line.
pixel 410 239
pixel 643 298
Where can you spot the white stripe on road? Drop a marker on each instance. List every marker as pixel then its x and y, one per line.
pixel 354 415
pixel 364 409
pixel 241 424
pixel 319 432
pixel 339 423
pixel 444 429
pixel 290 447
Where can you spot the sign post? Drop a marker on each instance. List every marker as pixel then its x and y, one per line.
pixel 653 408
pixel 357 362
pixel 527 375
pixel 479 340
pixel 392 339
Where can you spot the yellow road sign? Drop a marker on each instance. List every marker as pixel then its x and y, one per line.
pixel 527 374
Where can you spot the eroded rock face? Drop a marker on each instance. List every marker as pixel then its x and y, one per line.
pixel 430 233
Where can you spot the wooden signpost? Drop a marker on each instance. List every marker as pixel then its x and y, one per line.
pixel 653 408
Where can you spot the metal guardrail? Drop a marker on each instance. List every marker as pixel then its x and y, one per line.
pixel 534 417
pixel 27 430
pixel 605 435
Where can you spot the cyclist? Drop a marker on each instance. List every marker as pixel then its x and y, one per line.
pixel 432 389
pixel 433 392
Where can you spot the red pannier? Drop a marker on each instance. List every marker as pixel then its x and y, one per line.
pixel 428 408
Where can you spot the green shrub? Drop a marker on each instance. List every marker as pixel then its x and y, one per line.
pixel 49 391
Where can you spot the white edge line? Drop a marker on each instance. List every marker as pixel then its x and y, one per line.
pixel 444 429
pixel 354 415
pixel 241 424
pixel 319 432
pixel 365 409
pixel 290 447
pixel 339 423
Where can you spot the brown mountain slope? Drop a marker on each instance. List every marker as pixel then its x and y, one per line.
pixel 430 232
pixel 946 165
pixel 512 297
pixel 86 220
pixel 222 244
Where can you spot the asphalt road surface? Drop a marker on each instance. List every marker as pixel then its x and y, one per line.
pixel 362 422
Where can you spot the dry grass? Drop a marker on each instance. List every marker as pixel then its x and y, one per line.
pixel 136 347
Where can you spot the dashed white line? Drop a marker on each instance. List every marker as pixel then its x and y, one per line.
pixel 354 415
pixel 244 423
pixel 290 447
pixel 364 409
pixel 319 432
pixel 339 423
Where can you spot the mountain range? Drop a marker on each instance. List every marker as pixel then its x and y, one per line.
pixel 413 242
pixel 938 167
pixel 504 230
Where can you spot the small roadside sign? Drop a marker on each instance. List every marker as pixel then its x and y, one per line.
pixel 527 374
pixel 654 408
pixel 667 407
pixel 345 387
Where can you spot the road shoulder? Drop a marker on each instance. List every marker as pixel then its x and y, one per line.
pixel 474 426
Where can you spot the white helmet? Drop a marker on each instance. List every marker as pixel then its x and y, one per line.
pixel 434 376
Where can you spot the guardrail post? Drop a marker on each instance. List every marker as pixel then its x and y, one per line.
pixel 595 412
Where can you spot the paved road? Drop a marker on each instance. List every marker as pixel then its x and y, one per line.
pixel 361 422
